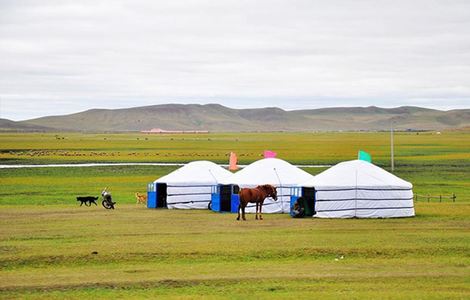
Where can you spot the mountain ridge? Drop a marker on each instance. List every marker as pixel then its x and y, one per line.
pixel 216 117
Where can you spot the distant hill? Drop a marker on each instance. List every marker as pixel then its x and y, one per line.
pixel 215 117
pixel 8 125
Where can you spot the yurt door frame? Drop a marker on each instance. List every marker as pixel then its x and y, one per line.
pixel 309 194
pixel 161 189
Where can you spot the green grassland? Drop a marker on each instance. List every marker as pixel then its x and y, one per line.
pixel 43 186
pixel 299 148
pixel 47 240
pixel 435 164
pixel 47 252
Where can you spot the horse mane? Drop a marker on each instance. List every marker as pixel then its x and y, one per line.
pixel 267 188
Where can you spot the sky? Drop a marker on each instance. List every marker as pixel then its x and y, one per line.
pixel 61 57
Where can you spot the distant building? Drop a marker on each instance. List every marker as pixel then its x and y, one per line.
pixel 162 131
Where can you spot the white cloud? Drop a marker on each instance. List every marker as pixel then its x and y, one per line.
pixel 65 56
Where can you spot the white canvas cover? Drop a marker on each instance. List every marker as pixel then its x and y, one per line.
pixel 190 186
pixel 276 172
pixel 360 189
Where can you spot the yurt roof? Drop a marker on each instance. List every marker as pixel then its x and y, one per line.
pixel 196 172
pixel 356 173
pixel 269 171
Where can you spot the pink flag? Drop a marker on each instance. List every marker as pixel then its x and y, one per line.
pixel 233 162
pixel 269 154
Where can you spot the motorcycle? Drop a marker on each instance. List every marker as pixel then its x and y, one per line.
pixel 107 199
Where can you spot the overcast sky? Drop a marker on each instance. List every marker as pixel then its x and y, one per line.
pixel 60 57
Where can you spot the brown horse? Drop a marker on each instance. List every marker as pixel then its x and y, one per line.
pixel 256 195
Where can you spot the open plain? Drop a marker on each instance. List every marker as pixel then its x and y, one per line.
pixel 52 248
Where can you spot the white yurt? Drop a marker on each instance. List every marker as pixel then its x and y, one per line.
pixel 360 189
pixel 276 172
pixel 188 187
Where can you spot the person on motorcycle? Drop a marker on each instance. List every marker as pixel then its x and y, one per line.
pixel 107 196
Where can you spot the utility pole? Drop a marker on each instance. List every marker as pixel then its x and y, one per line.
pixel 391 146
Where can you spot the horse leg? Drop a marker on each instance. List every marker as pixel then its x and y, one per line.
pixel 239 208
pixel 260 214
pixel 256 214
pixel 243 212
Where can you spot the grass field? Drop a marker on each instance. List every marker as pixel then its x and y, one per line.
pixel 299 148
pixel 43 186
pixel 47 241
pixel 435 164
pixel 46 253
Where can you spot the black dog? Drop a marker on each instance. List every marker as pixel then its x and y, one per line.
pixel 88 199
